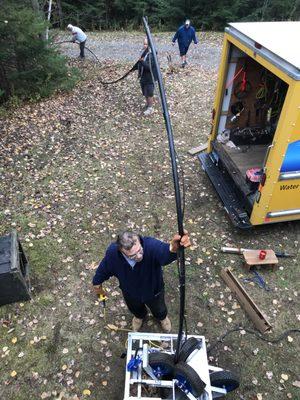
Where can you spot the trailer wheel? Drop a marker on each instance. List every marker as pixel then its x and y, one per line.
pixel 188 379
pixel 225 380
pixel 162 364
pixel 188 347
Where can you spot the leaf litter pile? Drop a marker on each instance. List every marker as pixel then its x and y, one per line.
pixel 79 167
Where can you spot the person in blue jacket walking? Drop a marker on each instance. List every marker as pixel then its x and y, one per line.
pixel 136 261
pixel 185 35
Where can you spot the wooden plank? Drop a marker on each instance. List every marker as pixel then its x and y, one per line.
pixel 196 150
pixel 247 157
pixel 232 168
pixel 252 257
pixel 254 313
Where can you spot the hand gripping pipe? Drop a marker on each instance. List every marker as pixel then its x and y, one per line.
pixel 179 208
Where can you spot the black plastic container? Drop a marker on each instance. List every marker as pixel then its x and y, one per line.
pixel 14 271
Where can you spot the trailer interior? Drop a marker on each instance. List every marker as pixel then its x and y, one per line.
pixel 253 98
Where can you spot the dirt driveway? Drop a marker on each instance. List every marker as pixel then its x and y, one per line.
pixel 79 167
pixel 126 47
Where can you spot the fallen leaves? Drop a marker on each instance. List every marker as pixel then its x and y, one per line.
pixel 45 395
pixel 285 377
pixel 69 191
pixel 269 374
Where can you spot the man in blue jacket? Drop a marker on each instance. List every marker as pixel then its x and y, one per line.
pixel 185 34
pixel 137 263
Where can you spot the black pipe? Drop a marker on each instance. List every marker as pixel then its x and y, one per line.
pixel 133 68
pixel 71 41
pixel 179 209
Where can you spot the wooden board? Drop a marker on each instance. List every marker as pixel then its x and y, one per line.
pixel 247 157
pixel 246 301
pixel 239 179
pixel 196 150
pixel 252 257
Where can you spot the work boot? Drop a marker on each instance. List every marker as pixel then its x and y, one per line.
pixel 136 324
pixel 166 325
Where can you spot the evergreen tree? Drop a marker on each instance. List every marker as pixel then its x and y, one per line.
pixel 28 67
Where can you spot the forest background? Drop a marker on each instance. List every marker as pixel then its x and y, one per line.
pixel 31 69
pixel 167 14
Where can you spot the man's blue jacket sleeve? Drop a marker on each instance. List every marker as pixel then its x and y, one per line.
pixel 162 252
pixel 103 272
pixel 175 37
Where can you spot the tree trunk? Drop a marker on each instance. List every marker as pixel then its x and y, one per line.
pixel 295 6
pixel 48 18
pixel 36 6
pixel 60 13
pixel 4 84
pixel 263 9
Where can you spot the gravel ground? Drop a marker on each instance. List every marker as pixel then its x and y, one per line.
pixel 126 47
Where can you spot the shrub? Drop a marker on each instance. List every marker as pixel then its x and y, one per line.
pixel 29 68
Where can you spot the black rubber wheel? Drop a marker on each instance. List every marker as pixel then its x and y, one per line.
pixel 188 347
pixel 162 364
pixel 225 380
pixel 188 379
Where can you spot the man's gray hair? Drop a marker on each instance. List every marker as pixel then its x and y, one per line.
pixel 126 240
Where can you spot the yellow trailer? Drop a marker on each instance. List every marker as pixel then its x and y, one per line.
pixel 253 155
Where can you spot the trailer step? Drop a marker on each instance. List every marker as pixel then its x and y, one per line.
pixel 225 189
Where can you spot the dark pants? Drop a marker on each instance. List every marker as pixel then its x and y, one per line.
pixel 147 89
pixel 82 46
pixel 183 49
pixel 157 306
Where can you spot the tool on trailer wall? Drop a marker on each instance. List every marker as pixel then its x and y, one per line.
pixel 232 80
pixel 243 87
pixel 179 208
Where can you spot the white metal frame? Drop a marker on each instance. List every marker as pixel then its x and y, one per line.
pixel 135 379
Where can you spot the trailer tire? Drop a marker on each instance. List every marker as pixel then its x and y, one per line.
pixel 189 379
pixel 224 379
pixel 188 347
pixel 162 364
